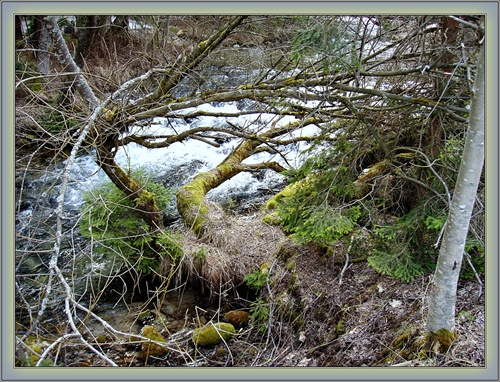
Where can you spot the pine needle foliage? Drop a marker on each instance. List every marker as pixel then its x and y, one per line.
pixel 114 225
pixel 405 247
pixel 316 211
pixel 324 208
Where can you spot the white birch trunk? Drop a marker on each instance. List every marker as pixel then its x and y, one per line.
pixel 442 297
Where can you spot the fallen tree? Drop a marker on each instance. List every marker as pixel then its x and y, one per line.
pixel 191 202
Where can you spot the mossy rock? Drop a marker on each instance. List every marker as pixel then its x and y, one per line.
pixel 237 318
pixel 212 334
pixel 27 358
pixel 151 348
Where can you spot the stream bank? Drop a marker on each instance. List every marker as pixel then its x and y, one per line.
pixel 309 313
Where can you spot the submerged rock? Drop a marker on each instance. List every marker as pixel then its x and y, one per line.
pixel 212 334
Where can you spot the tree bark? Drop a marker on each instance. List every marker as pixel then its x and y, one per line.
pixel 87 30
pixel 41 42
pixel 442 297
pixel 64 57
pixel 18 28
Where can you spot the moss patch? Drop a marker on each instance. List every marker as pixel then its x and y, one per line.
pixel 191 202
pixel 440 341
pixel 151 348
pixel 212 334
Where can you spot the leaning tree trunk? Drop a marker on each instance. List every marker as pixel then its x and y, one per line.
pixel 191 203
pixel 144 200
pixel 442 298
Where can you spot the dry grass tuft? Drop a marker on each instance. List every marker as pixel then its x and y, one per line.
pixel 232 249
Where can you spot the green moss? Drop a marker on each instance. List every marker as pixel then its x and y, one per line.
pixel 340 327
pixel 264 268
pixel 440 341
pixel 271 204
pixel 203 45
pixel 212 334
pixel 151 348
pixel 101 339
pixel 224 169
pixel 407 345
pixel 465 316
pixel 273 218
pixel 31 358
pixel 245 87
pixel 403 339
pixel 146 200
pixel 191 202
pixel 288 191
pixel 201 253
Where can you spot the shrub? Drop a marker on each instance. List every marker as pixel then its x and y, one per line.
pixel 256 279
pixel 259 313
pixel 115 226
pixel 314 211
pixel 405 248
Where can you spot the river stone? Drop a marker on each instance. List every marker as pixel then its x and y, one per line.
pixel 212 334
pixel 237 318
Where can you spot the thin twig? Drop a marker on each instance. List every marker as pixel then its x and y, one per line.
pixel 346 260
pixel 467 256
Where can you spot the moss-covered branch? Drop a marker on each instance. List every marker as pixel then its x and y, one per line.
pixel 143 199
pixel 186 63
pixel 191 202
